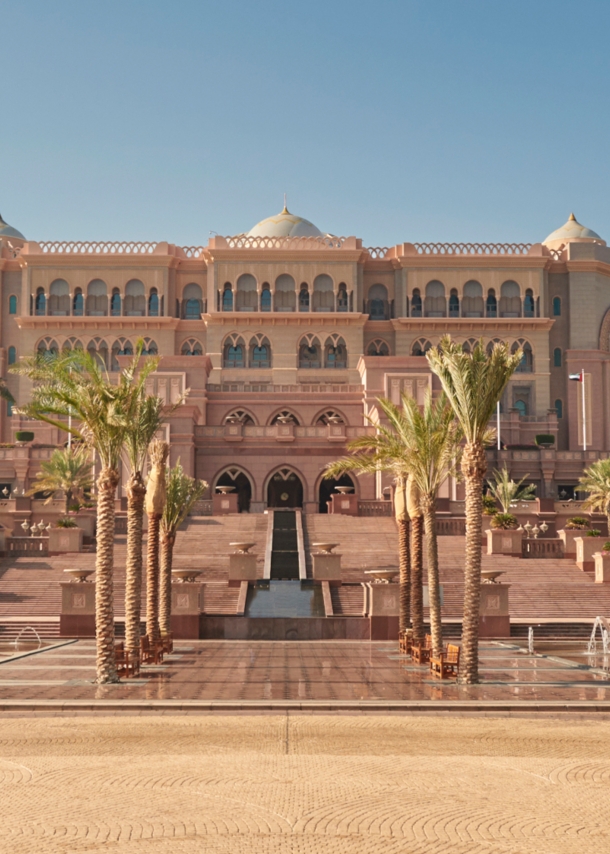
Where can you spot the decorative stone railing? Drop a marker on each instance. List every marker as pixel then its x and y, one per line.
pixel 545 548
pixel 70 247
pixel 451 527
pixel 244 241
pixel 28 545
pixel 374 508
pixel 297 388
pixel 472 248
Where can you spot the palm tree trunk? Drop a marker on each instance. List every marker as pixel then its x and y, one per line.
pixel 474 466
pixel 404 564
pixel 417 593
pixel 165 600
pixel 152 577
pixel 104 564
pixel 133 564
pixel 434 592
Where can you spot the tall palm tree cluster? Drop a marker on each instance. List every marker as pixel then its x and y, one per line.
pixel 116 422
pixel 423 445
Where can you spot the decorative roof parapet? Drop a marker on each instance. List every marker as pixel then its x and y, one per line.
pixel 244 241
pixel 469 248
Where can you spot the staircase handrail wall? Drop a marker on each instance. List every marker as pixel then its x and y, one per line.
pixel 301 545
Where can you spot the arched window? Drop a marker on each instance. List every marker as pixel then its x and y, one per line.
pixel 285 295
pixel 521 407
pixel 285 417
pixel 260 352
pixel 150 348
pixel 246 296
pixel 342 300
pixel 491 305
pixel 556 306
pixel 153 303
pixel 59 298
pixel 331 416
pixel 12 355
pixel 378 348
pixel 435 303
pixel 233 353
pixel 49 346
pixel 227 298
pixel 12 304
pixel 266 297
pixel 469 345
pixel 71 344
pixel 526 365
pixel 378 305
pixel 416 304
pixel 472 301
pixel 192 302
pixel 115 303
pixel 510 300
pixel 529 306
pixel 98 348
pixel 191 347
pixel 491 345
pixel 309 352
pixel 135 300
pixel 335 352
pixel 121 347
pixel 323 294
pixel 78 303
pixel 239 416
pixel 40 303
pixel 97 298
pixel 454 303
pixel 421 347
pixel 304 298
pixel 557 357
pixel 559 408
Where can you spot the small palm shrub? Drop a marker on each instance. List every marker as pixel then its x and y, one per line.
pixel 66 523
pixel 490 508
pixel 24 436
pixel 504 521
pixel 606 546
pixel 578 523
pixel 544 439
pixel 593 533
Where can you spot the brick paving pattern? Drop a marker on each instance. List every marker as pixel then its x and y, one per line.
pixel 290 784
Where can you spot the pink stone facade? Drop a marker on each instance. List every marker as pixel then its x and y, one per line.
pixel 286 337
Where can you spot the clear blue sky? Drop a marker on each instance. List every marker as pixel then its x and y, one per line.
pixel 393 121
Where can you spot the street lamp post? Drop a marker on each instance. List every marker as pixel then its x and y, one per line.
pixel 580 378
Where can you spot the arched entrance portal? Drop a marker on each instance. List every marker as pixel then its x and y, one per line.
pixel 285 489
pixel 242 485
pixel 327 487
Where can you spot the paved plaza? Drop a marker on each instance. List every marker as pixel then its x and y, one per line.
pixel 304 784
pixel 337 674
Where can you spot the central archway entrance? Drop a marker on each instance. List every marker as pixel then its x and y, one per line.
pixel 327 487
pixel 285 489
pixel 242 486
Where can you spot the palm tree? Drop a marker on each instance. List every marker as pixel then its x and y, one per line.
pixel 430 438
pixel 596 481
pixel 473 383
pixel 417 560
pixel 67 470
pixel 505 490
pixel 182 492
pixel 148 417
pixel 382 452
pixel 155 502
pixel 76 386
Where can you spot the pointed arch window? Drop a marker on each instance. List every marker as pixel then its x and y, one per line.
pixel 153 303
pixel 266 297
pixel 78 303
pixel 491 304
pixel 12 355
pixel 556 306
pixel 260 352
pixel 529 306
pixel 310 352
pixel 335 352
pixel 12 304
pixel 378 347
pixel 40 303
pixel 454 303
pixel 416 303
pixel 115 303
pixel 227 298
pixel 304 298
pixel 234 352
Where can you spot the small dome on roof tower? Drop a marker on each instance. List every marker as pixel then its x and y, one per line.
pixel 285 224
pixel 7 230
pixel 572 232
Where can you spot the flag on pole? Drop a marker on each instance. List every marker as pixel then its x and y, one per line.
pixel 579 378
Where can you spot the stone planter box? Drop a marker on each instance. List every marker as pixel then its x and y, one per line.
pixel 326 567
pixel 77 618
pixel 602 567
pixel 86 522
pixel 222 505
pixel 186 608
pixel 504 542
pixel 242 567
pixel 569 536
pixel 494 614
pixel 585 549
pixel 344 505
pixel 65 540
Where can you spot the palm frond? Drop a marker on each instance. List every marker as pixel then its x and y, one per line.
pixel 182 492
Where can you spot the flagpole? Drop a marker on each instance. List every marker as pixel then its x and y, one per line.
pixel 498 423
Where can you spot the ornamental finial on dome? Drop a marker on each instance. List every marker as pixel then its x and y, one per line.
pixel 572 232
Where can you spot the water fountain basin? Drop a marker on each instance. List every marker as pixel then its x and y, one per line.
pixel 383 574
pixel 325 547
pixel 488 576
pixel 242 548
pixel 80 574
pixel 186 574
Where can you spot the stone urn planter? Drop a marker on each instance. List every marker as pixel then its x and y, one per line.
pixel 602 567
pixel 504 542
pixel 586 547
